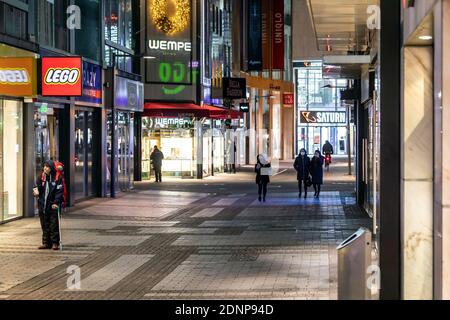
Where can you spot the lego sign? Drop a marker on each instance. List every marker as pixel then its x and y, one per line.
pixel 17 77
pixel 62 76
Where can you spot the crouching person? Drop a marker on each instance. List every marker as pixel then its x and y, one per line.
pixel 49 190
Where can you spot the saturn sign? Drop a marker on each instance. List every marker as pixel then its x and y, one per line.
pixel 316 117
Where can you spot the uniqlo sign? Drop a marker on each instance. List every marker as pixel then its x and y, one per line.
pixel 62 76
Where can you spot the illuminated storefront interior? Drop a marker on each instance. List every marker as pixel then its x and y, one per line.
pixel 11 148
pixel 318 94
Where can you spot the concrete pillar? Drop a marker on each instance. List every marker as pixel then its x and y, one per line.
pixel 417 173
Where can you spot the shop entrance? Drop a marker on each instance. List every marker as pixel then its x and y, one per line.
pixel 125 150
pixel 83 153
pixel 11 163
pixel 313 138
pixel 46 126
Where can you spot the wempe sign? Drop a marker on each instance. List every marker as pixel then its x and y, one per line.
pixel 323 117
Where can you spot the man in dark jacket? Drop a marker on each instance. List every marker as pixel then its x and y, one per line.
pixel 327 148
pixel 301 165
pixel 50 197
pixel 157 157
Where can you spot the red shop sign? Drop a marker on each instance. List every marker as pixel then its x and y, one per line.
pixel 288 99
pixel 62 76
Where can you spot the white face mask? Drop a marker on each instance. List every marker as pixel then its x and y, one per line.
pixel 303 154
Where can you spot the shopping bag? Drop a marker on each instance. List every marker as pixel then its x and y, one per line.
pixel 266 171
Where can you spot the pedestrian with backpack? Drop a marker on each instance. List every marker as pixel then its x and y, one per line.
pixel 49 190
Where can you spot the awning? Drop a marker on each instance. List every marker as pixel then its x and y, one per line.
pixel 179 110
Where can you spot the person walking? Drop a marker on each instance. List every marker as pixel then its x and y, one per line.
pixel 262 170
pixel 316 169
pixel 301 165
pixel 157 157
pixel 327 148
pixel 50 193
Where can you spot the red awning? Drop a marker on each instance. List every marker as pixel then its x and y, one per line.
pixel 175 110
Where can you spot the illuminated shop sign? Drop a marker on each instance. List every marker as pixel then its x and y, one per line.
pixel 234 88
pixel 17 76
pixel 169 40
pixel 129 95
pixel 62 76
pixel 288 99
pixel 154 123
pixel 92 83
pixel 316 117
pixel 244 107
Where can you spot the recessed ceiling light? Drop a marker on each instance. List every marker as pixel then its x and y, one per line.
pixel 426 38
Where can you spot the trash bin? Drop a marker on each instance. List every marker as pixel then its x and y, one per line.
pixel 354 259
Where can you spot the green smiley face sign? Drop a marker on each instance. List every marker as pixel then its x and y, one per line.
pixel 176 73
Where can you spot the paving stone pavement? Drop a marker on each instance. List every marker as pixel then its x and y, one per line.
pixel 152 244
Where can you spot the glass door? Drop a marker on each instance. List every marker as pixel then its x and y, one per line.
pixel 83 154
pixel 125 150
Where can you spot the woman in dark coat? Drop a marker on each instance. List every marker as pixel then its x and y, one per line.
pixel 262 180
pixel 316 169
pixel 301 165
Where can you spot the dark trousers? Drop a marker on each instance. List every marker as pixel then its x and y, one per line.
pixel 262 189
pixel 50 227
pixel 317 188
pixel 301 184
pixel 158 174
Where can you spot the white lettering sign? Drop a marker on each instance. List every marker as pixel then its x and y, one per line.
pixel 165 45
pixel 14 76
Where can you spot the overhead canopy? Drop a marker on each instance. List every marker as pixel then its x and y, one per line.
pixel 179 110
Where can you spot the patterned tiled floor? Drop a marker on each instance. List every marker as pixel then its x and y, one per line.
pixel 172 244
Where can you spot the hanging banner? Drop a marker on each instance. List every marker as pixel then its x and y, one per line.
pixel 254 39
pixel 278 35
pixel 266 34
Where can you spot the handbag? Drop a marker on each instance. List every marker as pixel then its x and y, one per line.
pixel 266 171
pixel 309 182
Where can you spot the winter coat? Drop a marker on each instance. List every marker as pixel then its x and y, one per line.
pixel 55 194
pixel 327 148
pixel 157 158
pixel 301 165
pixel 259 178
pixel 316 169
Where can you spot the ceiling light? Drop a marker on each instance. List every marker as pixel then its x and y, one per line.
pixel 426 38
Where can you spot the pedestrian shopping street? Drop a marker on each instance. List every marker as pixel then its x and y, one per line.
pixel 216 241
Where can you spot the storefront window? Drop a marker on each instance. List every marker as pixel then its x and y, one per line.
pixel 46 125
pixel 175 138
pixel 11 164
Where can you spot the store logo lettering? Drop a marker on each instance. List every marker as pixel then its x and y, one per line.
pixel 279 28
pixel 62 76
pixel 14 76
pixel 165 45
